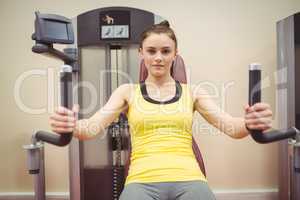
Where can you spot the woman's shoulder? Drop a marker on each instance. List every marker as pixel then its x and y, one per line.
pixel 187 86
pixel 128 89
pixel 196 91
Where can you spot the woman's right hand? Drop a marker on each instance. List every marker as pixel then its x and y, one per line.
pixel 64 120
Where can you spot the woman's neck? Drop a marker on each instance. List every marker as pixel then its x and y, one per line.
pixel 161 81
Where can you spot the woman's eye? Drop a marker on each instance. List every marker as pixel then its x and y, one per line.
pixel 151 51
pixel 165 51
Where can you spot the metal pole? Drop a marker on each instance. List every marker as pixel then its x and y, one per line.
pixel 39 179
pixel 296 182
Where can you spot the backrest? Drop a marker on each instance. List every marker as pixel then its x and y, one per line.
pixel 178 72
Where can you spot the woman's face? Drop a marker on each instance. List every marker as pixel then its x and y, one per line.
pixel 158 52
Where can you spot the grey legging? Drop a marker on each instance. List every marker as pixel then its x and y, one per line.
pixel 185 190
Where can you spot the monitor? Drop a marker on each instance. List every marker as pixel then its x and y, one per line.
pixel 50 28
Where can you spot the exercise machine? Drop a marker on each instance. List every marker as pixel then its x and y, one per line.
pixel 290 133
pixel 50 29
pixel 106 56
pixel 288 103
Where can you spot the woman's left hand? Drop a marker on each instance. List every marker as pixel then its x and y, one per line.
pixel 258 116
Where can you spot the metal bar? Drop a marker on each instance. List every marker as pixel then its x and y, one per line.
pixel 39 179
pixel 296 168
pixel 75 161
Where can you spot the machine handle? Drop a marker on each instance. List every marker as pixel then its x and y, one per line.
pixel 66 101
pixel 255 97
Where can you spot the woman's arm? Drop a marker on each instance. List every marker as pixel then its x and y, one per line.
pixel 63 120
pixel 256 117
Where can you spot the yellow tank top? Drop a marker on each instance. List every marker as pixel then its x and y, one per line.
pixel 161 138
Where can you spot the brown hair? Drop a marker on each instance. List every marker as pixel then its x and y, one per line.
pixel 161 28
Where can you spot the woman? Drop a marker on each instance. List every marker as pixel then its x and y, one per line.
pixel 160 111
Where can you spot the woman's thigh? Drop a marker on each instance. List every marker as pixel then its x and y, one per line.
pixel 139 191
pixel 193 190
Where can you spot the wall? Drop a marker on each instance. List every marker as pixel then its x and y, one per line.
pixel 217 39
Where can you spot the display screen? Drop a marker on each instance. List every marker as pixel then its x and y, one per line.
pixel 56 30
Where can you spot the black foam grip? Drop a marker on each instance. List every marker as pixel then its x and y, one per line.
pixel 254 87
pixel 66 101
pixel 255 97
pixel 273 136
pixel 55 139
pixel 66 89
